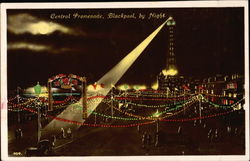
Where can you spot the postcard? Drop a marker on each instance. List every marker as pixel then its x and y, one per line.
pixel 125 81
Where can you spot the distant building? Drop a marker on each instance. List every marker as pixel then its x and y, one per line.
pixel 170 83
pixel 219 89
pixel 223 89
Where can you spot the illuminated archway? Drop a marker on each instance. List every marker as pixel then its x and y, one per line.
pixel 69 81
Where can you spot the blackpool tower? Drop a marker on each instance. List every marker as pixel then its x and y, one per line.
pixel 171 68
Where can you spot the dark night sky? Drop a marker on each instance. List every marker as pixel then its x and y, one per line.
pixel 208 41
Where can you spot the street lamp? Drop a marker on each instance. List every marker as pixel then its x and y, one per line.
pixel 37 89
pixel 157 114
pixel 18 111
pixel 200 99
pixel 184 93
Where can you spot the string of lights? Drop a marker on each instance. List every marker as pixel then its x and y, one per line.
pixel 13 105
pixel 65 104
pixel 224 106
pixel 152 99
pixel 12 98
pixel 126 125
pixel 156 118
pixel 154 106
pixel 87 124
pixel 197 118
pixel 152 95
pixel 32 100
pixel 142 94
pixel 214 95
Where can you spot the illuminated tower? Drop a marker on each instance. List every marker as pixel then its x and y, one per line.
pixel 171 67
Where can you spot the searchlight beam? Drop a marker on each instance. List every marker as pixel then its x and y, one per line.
pixel 109 79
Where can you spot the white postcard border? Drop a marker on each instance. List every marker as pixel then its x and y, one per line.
pixel 107 5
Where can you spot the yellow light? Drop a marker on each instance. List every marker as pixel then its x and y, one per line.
pixel 155 86
pixel 43 27
pixel 31 90
pixel 142 87
pixel 123 87
pixel 139 87
pixel 43 95
pixel 98 87
pixel 170 72
pixel 90 88
pixel 156 114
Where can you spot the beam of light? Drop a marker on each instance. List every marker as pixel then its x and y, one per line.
pixel 115 74
pixel 109 80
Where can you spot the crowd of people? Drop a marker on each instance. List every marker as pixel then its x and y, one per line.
pixel 67 135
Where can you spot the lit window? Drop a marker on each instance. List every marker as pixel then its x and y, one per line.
pixel 235 95
pixel 224 101
pixel 225 78
pixel 212 91
pixel 212 99
pixel 229 94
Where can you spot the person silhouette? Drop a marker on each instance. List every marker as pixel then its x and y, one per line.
pixel 62 133
pixel 69 133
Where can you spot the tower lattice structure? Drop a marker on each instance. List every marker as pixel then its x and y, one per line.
pixel 171 60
